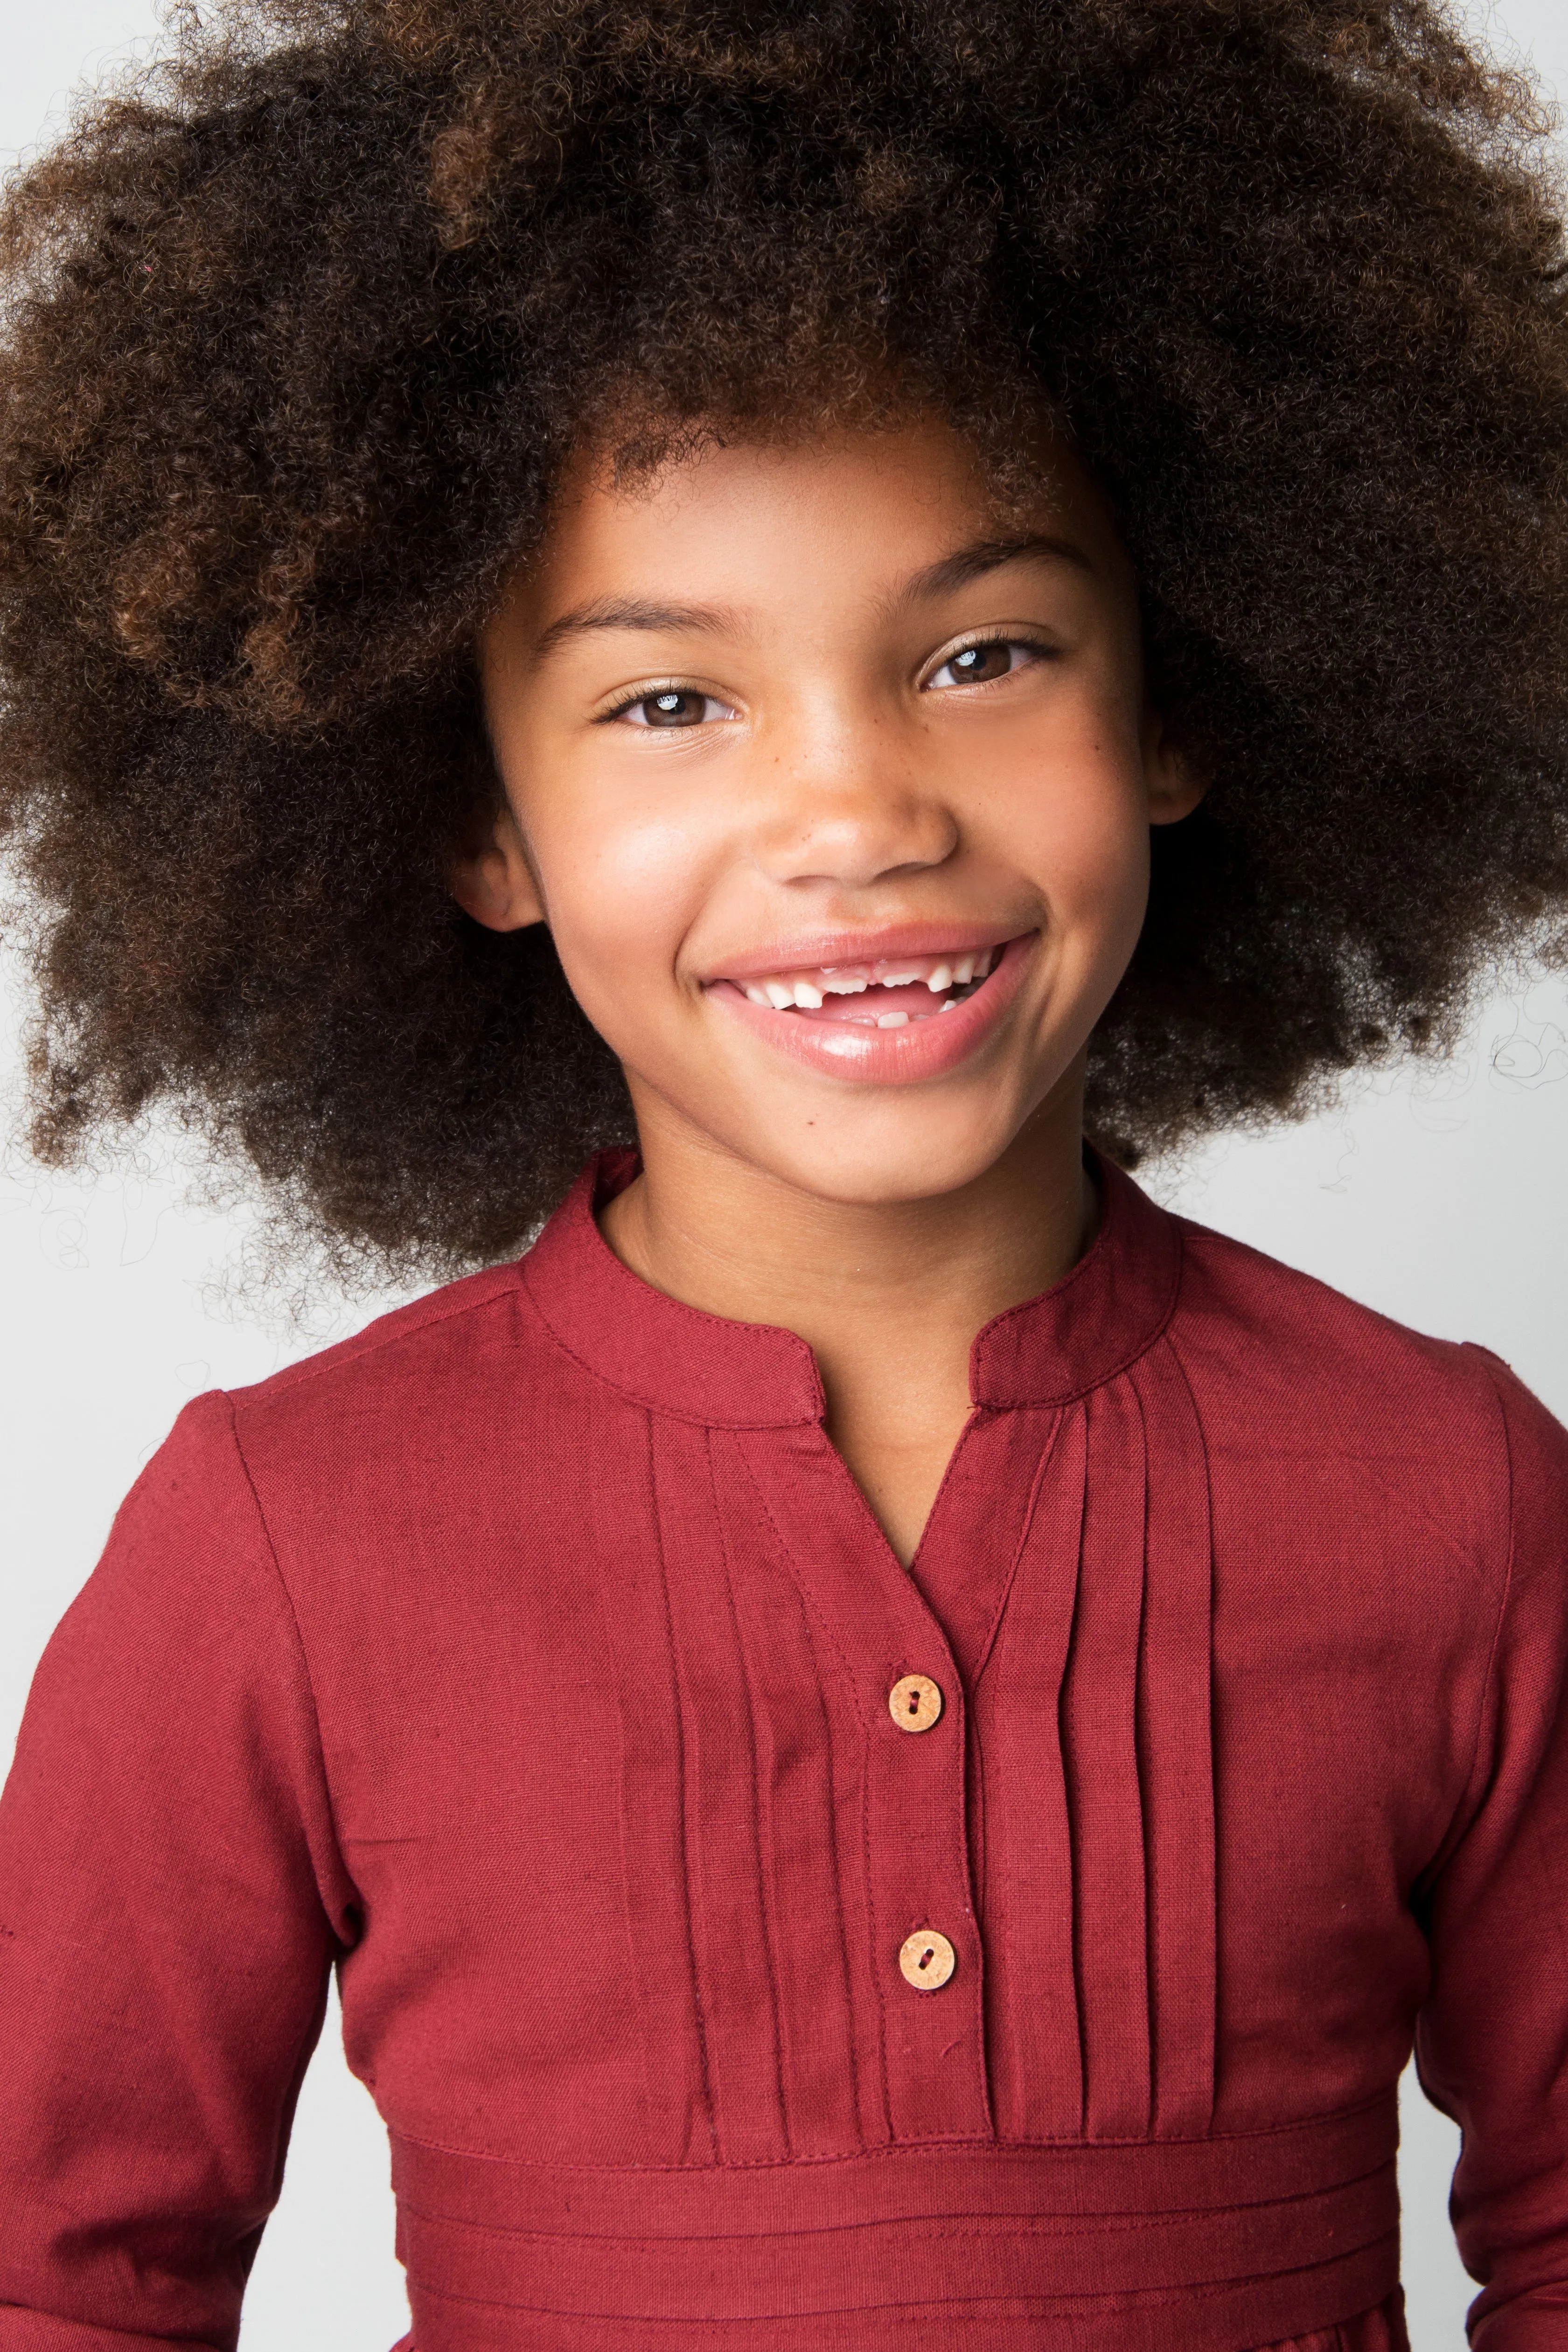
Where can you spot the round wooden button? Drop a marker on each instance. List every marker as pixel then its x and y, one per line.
pixel 914 1703
pixel 927 1960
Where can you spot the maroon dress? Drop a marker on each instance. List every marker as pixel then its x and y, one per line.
pixel 755 1946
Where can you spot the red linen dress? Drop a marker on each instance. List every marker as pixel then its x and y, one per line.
pixel 529 1658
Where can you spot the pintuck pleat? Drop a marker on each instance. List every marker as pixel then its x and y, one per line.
pixel 783 1837
pixel 655 1827
pixel 732 1930
pixel 1036 2048
pixel 1175 1748
pixel 805 1776
pixel 1099 1753
pixel 1093 1720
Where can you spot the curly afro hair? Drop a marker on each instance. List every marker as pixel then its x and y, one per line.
pixel 303 325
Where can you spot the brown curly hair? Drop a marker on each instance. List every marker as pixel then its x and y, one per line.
pixel 302 325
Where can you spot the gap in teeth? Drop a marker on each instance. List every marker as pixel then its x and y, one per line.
pixel 950 979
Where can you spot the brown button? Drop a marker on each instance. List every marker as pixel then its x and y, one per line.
pixel 914 1703
pixel 927 1960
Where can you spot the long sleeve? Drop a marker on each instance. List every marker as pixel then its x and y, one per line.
pixel 1492 2045
pixel 171 1899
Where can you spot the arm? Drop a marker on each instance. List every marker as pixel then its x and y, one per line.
pixel 1492 2043
pixel 170 1900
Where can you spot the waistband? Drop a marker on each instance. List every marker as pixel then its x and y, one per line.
pixel 1219 2245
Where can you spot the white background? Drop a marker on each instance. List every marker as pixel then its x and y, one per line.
pixel 1434 1195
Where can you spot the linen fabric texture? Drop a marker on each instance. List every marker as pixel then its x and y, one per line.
pixel 527 1659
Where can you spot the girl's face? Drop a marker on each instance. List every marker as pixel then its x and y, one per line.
pixel 834 787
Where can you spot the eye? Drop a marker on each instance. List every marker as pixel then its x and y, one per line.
pixel 672 706
pixel 978 665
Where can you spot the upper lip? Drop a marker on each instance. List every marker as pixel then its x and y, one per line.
pixel 809 951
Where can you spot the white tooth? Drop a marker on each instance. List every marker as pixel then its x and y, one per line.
pixel 757 995
pixel 844 987
pixel 892 1020
pixel 940 980
pixel 963 971
pixel 982 963
pixel 779 994
pixel 807 997
pixel 950 1006
pixel 896 979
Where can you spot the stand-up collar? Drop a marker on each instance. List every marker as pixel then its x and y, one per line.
pixel 675 1359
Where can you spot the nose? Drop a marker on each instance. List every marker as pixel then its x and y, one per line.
pixel 850 807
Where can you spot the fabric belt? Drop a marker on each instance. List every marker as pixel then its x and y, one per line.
pixel 1217 2245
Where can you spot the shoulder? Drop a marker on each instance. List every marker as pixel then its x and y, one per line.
pixel 1415 1477
pixel 405 1424
pixel 1288 1372
pixel 414 1344
pixel 1295 1345
pixel 440 1363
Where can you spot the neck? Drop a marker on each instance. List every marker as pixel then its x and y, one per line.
pixel 889 1296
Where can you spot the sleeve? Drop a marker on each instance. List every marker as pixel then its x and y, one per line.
pixel 1492 2040
pixel 171 1902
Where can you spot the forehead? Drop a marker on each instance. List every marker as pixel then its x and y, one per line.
pixel 858 512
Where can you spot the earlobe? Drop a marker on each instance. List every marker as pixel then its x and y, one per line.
pixel 493 881
pixel 1175 785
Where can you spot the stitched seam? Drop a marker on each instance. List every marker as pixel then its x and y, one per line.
pixel 649 1404
pixel 865 1795
pixel 1010 1946
pixel 819 1616
pixel 370 1343
pixel 874 1930
pixel 1142 1771
pixel 657 1519
pixel 1180 1369
pixel 840 1922
pixel 1047 1455
pixel 764 1865
pixel 1108 1375
pixel 955 2224
pixel 909 2150
pixel 293 1617
pixel 1098 1247
pixel 1482 1703
pixel 804 1590
pixel 1140 1348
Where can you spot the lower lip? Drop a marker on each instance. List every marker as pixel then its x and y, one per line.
pixel 921 1049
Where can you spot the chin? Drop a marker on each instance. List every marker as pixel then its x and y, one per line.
pixel 882 1171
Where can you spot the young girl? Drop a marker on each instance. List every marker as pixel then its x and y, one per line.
pixel 890 1744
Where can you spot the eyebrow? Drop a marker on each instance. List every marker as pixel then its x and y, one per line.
pixel 949 573
pixel 633 613
pixel 967 563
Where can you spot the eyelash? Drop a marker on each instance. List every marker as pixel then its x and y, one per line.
pixel 1017 645
pixel 630 702
pixel 674 687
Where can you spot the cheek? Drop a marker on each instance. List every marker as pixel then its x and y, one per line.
pixel 623 881
pixel 1078 823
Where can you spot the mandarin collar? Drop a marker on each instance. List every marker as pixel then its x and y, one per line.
pixel 676 1359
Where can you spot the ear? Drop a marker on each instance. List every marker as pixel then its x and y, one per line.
pixel 491 878
pixel 1174 786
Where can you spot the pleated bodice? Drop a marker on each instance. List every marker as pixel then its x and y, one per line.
pixel 576 1642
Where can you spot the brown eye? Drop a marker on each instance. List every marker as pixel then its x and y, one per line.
pixel 672 706
pixel 978 665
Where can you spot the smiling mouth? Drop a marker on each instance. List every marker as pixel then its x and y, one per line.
pixel 889 994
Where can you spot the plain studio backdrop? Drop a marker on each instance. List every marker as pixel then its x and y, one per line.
pixel 1433 1193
